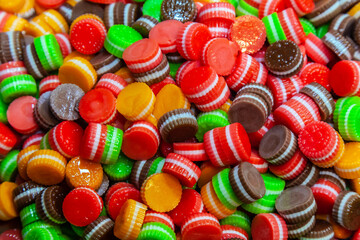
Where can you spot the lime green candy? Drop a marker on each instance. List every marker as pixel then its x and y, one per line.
pixel 244 8
pixel 44 143
pixel 42 234
pixel 3 109
pixel 238 219
pixel 173 69
pixel 265 204
pixel 39 225
pixel 224 191
pixel 156 231
pixel 120 170
pixel 8 166
pixel 307 26
pixel 29 215
pixel 17 86
pixel 342 102
pixel 210 120
pixel 233 2
pixel 112 145
pixel 153 8
pixel 156 166
pixel 120 37
pixel 274 31
pixel 322 30
pixel 348 124
pixel 48 51
pixel 273 184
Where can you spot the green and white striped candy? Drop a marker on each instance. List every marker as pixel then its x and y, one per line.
pixel 274 31
pixel 348 123
pixel 17 86
pixel 307 26
pixel 44 143
pixel 156 231
pixel 120 170
pixel 29 215
pixel 156 166
pixel 210 120
pixel 112 145
pixel 246 9
pixel 265 204
pixel 238 219
pixel 8 166
pixel 49 53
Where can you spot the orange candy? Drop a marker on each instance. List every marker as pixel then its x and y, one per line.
pixel 225 107
pixel 23 159
pixel 83 173
pixel 161 192
pixel 125 73
pixel 207 172
pixel 46 167
pixel 130 219
pixel 7 206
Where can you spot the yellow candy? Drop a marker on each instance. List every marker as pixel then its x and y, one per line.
pixel 161 192
pixel 38 27
pixel 355 185
pixel 130 219
pixel 7 206
pixel 136 101
pixel 56 21
pixel 151 119
pixel 169 98
pixel 75 54
pixel 225 107
pixel 78 71
pixel 125 73
pixel 46 167
pixel 15 23
pixel 207 172
pixel 38 9
pixel 348 166
pixel 11 6
pixel 23 159
pixel 355 11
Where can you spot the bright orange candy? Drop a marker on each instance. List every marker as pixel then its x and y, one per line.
pixel 7 206
pixel 207 172
pixel 23 159
pixel 83 173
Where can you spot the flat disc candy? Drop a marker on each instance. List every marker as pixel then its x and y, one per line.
pixel 181 10
pixel 284 59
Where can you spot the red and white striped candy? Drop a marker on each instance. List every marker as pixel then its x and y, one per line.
pixel 93 142
pixel 292 26
pixel 223 11
pixel 7 139
pixel 292 168
pixel 48 84
pixel 256 137
pixel 192 151
pixel 221 96
pixel 258 162
pixel 10 69
pixel 185 68
pixel 199 219
pixel 271 223
pixel 268 7
pixel 64 43
pixel 33 140
pixel 232 232
pixel 153 216
pixel 317 50
pixel 325 193
pixel 218 28
pixel 112 82
pixel 182 168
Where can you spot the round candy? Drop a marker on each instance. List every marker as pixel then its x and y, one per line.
pixel 17 86
pixel 82 206
pixel 118 198
pixel 269 226
pixel 8 139
pixel 7 206
pixel 8 166
pixel 152 216
pixel 165 34
pixel 48 51
pixel 201 226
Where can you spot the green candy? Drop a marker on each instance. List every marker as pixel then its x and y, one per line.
pixel 120 170
pixel 244 8
pixel 3 109
pixel 153 8
pixel 44 143
pixel 348 124
pixel 112 145
pixel 274 31
pixel 120 37
pixel 156 166
pixel 238 219
pixel 263 205
pixel 307 26
pixel 343 102
pixel 210 120
pixel 173 69
pixel 48 51
pixel 29 215
pixel 17 86
pixel 233 2
pixel 224 191
pixel 42 234
pixel 273 184
pixel 39 225
pixel 322 30
pixel 8 167
pixel 156 231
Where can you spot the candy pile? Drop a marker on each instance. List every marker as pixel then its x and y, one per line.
pixel 180 119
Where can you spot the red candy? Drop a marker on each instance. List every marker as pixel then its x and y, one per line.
pixel 153 216
pixel 301 7
pixel 64 42
pixel 325 193
pixel 158 86
pixel 49 83
pixel 141 141
pixel 317 50
pixel 201 226
pixel 119 197
pixel 33 140
pixel 292 168
pixel 11 234
pixel 315 72
pixel 230 232
pixel 112 82
pixel 165 34
pixel 193 151
pixel 7 139
pixel 182 168
pixel 256 137
pixel 292 26
pixel 268 7
pixel 344 78
pixel 82 206
pixel 10 69
pixel 185 68
pixel 222 11
pixel 269 226
pixel 258 162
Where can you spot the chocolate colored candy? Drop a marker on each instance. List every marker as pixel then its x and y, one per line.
pixel 321 97
pixel 177 125
pixel 49 204
pixel 247 182
pixel 296 204
pixel 250 110
pixel 84 7
pixel 356 32
pixel 64 101
pixel 25 194
pixel 322 230
pixel 330 174
pixel 144 24
pixel 66 11
pixel 101 229
pixel 104 62
pixel 120 13
pixel 11 46
pixel 324 11
pixel 284 59
pixel 347 4
pixel 175 57
pixel 32 62
pixel 139 172
pixel 28 39
pixel 278 145
pixel 261 90
pixel 155 75
pixel 308 177
pixel 300 229
pixel 43 114
pixel 104 185
pixel 339 45
pixel 343 23
pixel 346 210
pixel 181 10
